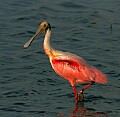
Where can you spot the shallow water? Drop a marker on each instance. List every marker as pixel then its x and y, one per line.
pixel 28 85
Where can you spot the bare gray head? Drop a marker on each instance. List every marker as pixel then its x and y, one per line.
pixel 42 28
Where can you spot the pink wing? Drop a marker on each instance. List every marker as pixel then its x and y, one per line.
pixel 76 70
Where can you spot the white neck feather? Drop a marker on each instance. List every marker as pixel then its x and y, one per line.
pixel 47 47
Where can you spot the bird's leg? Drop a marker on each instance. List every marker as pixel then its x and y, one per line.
pixel 76 98
pixel 75 94
pixel 80 94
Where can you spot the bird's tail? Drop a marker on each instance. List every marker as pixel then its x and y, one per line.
pixel 99 76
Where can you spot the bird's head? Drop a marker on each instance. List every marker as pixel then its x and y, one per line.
pixel 44 26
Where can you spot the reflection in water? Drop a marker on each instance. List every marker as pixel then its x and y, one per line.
pixel 81 111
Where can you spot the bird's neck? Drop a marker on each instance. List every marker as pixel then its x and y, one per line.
pixel 47 47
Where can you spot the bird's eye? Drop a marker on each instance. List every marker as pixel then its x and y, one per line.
pixel 44 25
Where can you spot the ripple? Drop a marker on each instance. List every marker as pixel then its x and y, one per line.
pixel 72 5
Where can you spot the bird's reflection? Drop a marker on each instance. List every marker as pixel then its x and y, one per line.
pixel 81 111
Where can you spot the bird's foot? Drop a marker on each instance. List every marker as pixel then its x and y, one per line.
pixel 80 96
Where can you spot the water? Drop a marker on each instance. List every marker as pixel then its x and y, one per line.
pixel 28 85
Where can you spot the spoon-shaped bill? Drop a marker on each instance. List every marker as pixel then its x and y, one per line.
pixel 27 44
pixel 39 31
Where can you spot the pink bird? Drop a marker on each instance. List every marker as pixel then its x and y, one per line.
pixel 69 66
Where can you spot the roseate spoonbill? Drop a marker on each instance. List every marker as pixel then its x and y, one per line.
pixel 69 66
